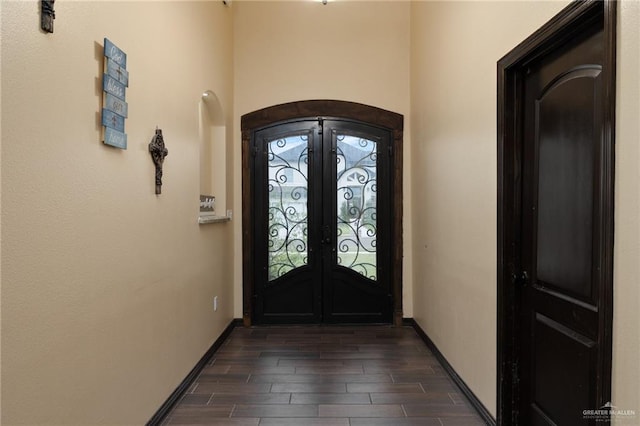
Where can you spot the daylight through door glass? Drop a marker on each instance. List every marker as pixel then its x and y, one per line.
pixel 356 207
pixel 287 193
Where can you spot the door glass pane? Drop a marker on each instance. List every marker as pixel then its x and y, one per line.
pixel 287 192
pixel 357 189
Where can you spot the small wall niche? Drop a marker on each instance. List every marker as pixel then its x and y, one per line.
pixel 213 157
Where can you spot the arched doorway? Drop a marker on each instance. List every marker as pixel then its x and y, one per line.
pixel 322 214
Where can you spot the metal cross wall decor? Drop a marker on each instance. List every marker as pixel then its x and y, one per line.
pixel 158 152
pixel 47 15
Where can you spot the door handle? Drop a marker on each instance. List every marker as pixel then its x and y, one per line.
pixel 521 278
pixel 326 235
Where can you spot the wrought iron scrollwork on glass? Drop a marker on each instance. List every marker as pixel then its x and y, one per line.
pixel 288 160
pixel 357 207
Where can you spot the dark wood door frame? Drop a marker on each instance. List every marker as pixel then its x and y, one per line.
pixel 571 20
pixel 373 116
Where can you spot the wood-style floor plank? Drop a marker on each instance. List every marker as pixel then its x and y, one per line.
pixel 323 376
pixel 395 421
pixel 330 398
pixel 360 410
pixel 308 421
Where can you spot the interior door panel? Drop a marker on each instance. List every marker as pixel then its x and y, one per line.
pixel 560 244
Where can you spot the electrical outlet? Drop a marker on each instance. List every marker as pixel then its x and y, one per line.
pixel 215 303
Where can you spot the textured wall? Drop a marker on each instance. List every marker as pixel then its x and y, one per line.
pixel 355 51
pixel 107 288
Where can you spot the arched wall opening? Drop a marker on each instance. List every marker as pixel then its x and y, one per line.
pixel 213 154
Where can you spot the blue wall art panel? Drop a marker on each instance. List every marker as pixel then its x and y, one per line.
pixel 113 86
pixel 114 53
pixel 116 105
pixel 115 138
pixel 112 120
pixel 115 80
pixel 117 72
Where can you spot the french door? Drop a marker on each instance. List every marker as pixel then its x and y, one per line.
pixel 321 217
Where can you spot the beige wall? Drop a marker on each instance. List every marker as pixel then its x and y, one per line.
pixel 0 228
pixel 455 47
pixel 107 288
pixel 289 51
pixel 626 285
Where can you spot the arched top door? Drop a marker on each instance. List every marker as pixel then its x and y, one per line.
pixel 324 129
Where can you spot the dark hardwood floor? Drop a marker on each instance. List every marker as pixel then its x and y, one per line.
pixel 323 375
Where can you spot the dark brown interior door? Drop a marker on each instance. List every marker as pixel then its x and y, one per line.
pixel 321 218
pixel 562 249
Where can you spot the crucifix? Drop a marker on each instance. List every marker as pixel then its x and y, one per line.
pixel 158 152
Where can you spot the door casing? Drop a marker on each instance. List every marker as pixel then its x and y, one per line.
pixel 322 109
pixel 568 22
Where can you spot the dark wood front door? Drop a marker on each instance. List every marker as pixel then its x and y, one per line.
pixel 560 231
pixel 322 222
